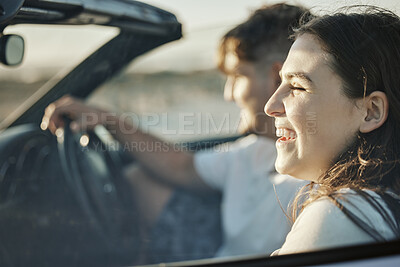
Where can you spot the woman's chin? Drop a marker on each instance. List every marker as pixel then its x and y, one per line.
pixel 282 168
pixel 289 169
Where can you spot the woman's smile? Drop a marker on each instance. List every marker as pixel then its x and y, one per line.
pixel 285 136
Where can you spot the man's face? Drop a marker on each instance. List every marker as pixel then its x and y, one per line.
pixel 249 86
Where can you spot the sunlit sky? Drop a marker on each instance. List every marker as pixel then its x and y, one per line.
pixel 204 22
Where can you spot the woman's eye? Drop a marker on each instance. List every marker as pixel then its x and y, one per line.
pixel 297 88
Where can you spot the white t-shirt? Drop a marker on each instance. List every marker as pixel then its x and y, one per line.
pixel 253 221
pixel 323 225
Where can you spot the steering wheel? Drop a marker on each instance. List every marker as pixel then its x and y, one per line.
pixel 93 170
pixel 62 203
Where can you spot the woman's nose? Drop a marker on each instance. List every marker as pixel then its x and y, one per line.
pixel 275 107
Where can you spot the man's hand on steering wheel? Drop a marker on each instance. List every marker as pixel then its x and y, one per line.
pixel 83 117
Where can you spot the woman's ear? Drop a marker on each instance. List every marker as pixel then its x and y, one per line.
pixel 376 107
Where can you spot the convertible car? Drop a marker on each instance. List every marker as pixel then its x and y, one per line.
pixel 63 201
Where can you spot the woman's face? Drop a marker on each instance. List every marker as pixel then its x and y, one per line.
pixel 314 120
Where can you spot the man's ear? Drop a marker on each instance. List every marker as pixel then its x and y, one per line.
pixel 376 107
pixel 275 69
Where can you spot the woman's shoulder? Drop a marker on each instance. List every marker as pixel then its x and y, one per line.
pixel 366 205
pixel 324 224
pixel 326 218
pixel 372 210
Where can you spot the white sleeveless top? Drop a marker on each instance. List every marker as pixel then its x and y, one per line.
pixel 323 225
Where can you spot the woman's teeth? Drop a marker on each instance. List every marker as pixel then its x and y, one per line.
pixel 284 132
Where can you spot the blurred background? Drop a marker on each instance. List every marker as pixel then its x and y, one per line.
pixel 174 84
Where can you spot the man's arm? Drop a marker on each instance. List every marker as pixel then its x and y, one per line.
pixel 161 159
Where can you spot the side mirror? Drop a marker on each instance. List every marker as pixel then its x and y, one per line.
pixel 11 49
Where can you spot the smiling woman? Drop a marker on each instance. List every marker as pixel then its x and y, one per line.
pixel 342 71
pixel 310 87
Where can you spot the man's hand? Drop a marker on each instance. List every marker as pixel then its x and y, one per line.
pixel 84 118
pixel 172 166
